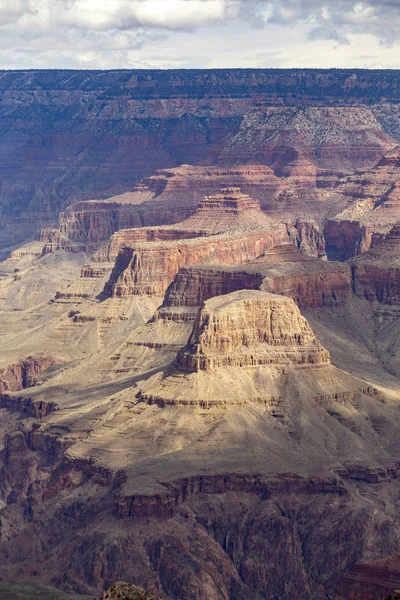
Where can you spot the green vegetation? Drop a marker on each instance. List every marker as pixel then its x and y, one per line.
pixel 127 591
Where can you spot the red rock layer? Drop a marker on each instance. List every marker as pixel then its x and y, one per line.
pixel 370 581
pixel 372 207
pixel 311 283
pixel 228 210
pixel 376 274
pixel 163 506
pixel 150 268
pixel 22 375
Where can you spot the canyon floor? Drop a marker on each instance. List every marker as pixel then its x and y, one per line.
pixel 200 372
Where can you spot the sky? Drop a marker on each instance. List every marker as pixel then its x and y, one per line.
pixel 109 34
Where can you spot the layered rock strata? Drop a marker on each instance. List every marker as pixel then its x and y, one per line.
pixel 370 581
pixel 23 374
pixel 376 274
pixel 250 328
pixel 245 348
pixel 371 201
pixel 150 268
pixel 229 210
pixel 311 283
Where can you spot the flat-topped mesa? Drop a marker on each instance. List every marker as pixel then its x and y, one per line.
pixel 250 328
pixel 149 268
pixel 376 274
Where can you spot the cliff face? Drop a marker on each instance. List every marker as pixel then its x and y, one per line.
pixel 372 207
pixel 370 581
pixel 150 268
pixel 228 211
pixel 282 270
pixel 376 274
pixel 22 375
pixel 76 135
pixel 247 329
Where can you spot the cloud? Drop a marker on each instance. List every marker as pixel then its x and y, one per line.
pixel 130 33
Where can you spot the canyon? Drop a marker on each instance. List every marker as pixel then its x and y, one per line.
pixel 200 341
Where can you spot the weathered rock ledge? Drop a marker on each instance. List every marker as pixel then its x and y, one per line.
pixel 164 505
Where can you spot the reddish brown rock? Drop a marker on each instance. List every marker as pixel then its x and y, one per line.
pixel 311 283
pixel 370 581
pixel 376 274
pixel 150 268
pixel 373 207
pixel 22 375
pixel 229 210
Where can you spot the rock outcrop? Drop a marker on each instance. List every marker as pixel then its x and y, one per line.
pixel 148 268
pixel 311 283
pixel 228 211
pixel 372 206
pixel 24 374
pixel 370 581
pixel 250 328
pixel 376 274
pixel 244 348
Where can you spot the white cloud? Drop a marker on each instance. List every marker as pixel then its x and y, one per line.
pixel 198 33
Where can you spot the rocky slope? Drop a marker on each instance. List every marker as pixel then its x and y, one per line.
pixel 373 207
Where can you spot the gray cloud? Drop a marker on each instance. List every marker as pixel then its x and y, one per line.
pixel 112 32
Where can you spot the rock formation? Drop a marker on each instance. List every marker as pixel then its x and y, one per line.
pixel 232 333
pixel 376 274
pixel 148 268
pixel 227 211
pixel 250 328
pixel 370 581
pixel 282 270
pixel 16 377
pixel 373 207
pixel 123 126
pixel 209 444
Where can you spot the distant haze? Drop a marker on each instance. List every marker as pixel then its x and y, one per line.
pixel 199 33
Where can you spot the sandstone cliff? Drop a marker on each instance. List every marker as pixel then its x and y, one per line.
pixel 249 329
pixel 373 208
pixel 228 211
pixel 24 374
